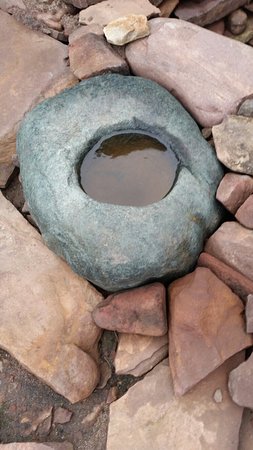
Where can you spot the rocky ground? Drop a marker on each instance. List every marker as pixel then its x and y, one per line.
pixel 74 372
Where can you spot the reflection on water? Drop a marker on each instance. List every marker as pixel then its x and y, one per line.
pixel 128 169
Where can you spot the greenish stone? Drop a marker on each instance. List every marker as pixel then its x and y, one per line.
pixel 117 247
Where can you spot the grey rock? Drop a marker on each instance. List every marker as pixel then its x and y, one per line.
pixel 117 247
pixel 246 108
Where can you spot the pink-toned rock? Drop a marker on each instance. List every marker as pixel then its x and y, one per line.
pixel 239 284
pixel 109 10
pixel 233 244
pixel 167 7
pixel 90 55
pixel 233 190
pixel 37 446
pixel 137 355
pixel 206 327
pixel 240 384
pixel 149 416
pixel 62 415
pixel 45 320
pixel 6 174
pixel 6 5
pixel 244 214
pixel 249 313
pixel 180 56
pixel 139 311
pixel 206 11
pixel 217 27
pixel 233 140
pixel 30 62
pixel 82 4
pixel 246 431
pixel 82 31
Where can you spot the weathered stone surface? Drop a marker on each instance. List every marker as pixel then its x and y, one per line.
pixel 109 10
pixel 209 91
pixel 206 11
pixel 46 62
pixel 117 247
pixel 45 320
pixel 233 140
pixel 205 328
pixel 90 55
pixel 249 313
pixel 246 431
pixel 149 416
pixel 37 446
pixel 247 34
pixel 217 27
pixel 82 31
pixel 6 5
pixel 126 29
pixel 233 244
pixel 246 108
pixel 233 190
pixel 81 4
pixel 139 311
pixel 167 7
pixel 240 285
pixel 137 355
pixel 244 214
pixel 62 415
pixel 6 173
pixel 237 21
pixel 240 384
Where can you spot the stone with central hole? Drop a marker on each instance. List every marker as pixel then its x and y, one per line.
pixel 140 210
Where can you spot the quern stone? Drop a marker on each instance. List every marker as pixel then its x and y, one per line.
pixel 180 56
pixel 206 327
pixel 45 320
pixel 149 416
pixel 114 246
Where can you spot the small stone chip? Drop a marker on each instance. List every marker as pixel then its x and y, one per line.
pixel 217 396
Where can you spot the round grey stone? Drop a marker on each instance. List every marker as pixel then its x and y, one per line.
pixel 114 246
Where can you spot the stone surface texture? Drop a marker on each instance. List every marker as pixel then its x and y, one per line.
pixel 6 173
pixel 237 21
pixel 246 108
pixel 90 55
pixel 206 11
pixel 233 140
pixel 117 247
pixel 233 190
pixel 109 10
pixel 6 5
pixel 83 30
pixel 38 60
pixel 45 320
pixel 240 285
pixel 240 384
pixel 244 214
pixel 126 29
pixel 137 355
pixel 37 446
pixel 167 7
pixel 139 311
pixel 82 4
pixel 206 327
pixel 246 431
pixel 249 313
pixel 217 27
pixel 209 91
pixel 233 244
pixel 149 416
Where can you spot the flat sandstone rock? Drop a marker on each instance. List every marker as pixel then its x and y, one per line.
pixel 45 320
pixel 196 65
pixel 30 61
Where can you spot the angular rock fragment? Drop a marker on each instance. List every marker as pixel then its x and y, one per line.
pixel 240 285
pixel 82 31
pixel 38 60
pixel 109 10
pixel 217 27
pixel 240 384
pixel 244 214
pixel 246 431
pixel 208 91
pixel 233 140
pixel 126 29
pixel 206 11
pixel 90 55
pixel 62 415
pixel 206 327
pixel 233 190
pixel 139 311
pixel 45 320
pixel 167 7
pixel 237 21
pixel 233 244
pixel 150 416
pixel 249 313
pixel 6 174
pixel 137 355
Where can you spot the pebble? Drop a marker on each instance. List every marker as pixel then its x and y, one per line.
pixel 126 29
pixel 237 21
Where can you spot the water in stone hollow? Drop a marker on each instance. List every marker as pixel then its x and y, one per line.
pixel 127 168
